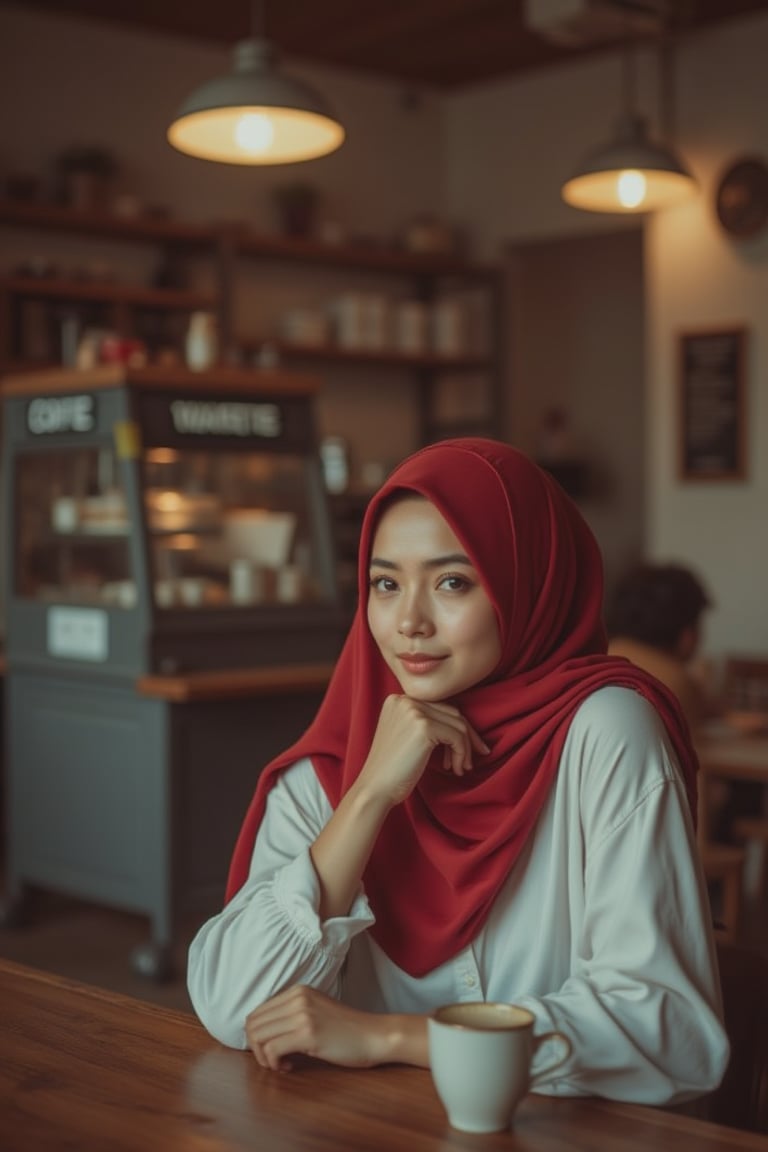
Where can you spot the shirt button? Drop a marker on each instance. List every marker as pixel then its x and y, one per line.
pixel 470 981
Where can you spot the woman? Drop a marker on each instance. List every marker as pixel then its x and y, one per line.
pixel 486 807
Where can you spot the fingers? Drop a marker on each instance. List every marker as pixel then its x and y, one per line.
pixel 448 711
pixel 458 737
pixel 304 1020
pixel 457 755
pixel 279 1028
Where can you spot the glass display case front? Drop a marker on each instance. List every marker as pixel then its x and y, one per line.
pixel 72 529
pixel 225 529
pixel 231 529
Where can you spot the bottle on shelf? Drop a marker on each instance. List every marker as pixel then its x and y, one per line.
pixel 201 342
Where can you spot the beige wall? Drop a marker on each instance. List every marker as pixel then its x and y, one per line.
pixel 576 343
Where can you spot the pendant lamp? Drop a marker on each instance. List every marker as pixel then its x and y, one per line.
pixel 255 114
pixel 632 173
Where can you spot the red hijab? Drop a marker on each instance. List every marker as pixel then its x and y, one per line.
pixel 442 856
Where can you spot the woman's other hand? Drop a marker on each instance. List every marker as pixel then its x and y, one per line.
pixel 304 1021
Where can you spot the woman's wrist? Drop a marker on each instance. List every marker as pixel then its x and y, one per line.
pixel 399 1038
pixel 369 802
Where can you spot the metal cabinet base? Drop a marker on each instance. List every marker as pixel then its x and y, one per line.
pixel 133 802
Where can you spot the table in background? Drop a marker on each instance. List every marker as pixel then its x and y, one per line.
pixel 94 1071
pixel 727 754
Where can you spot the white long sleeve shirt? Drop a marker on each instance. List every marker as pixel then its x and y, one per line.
pixel 602 928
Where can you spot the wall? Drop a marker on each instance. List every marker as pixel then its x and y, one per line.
pixel 527 135
pixel 576 344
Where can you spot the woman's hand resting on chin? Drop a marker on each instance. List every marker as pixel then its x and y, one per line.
pixel 407 733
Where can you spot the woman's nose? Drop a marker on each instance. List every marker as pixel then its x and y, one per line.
pixel 415 619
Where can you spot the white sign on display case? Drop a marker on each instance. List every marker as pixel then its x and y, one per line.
pixel 78 633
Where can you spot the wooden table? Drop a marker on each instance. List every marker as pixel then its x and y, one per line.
pixel 726 754
pixel 93 1071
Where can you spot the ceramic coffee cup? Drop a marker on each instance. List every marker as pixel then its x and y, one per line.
pixel 480 1056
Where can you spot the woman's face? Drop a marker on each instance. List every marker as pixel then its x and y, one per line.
pixel 427 610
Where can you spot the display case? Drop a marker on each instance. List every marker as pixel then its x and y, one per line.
pixel 166 522
pixel 172 618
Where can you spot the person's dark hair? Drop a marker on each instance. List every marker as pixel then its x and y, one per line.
pixel 654 603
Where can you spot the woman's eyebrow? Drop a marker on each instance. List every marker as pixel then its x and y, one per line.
pixel 433 562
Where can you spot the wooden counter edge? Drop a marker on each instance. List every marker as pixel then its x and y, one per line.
pixel 236 683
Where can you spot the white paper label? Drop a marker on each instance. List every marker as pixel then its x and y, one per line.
pixel 79 633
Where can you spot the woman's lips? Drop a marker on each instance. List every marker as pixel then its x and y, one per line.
pixel 419 664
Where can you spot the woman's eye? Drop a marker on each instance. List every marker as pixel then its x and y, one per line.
pixel 455 583
pixel 383 584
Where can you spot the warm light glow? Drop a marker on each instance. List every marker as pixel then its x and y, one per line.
pixel 161 456
pixel 167 501
pixel 183 542
pixel 631 187
pixel 213 134
pixel 254 132
pixel 604 192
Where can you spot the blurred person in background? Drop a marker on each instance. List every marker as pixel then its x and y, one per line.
pixel 654 619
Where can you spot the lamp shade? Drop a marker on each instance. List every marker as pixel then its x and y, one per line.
pixel 255 115
pixel 631 175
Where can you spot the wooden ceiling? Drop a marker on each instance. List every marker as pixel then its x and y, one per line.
pixel 442 43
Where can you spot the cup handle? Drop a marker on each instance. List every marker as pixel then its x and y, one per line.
pixel 537 1043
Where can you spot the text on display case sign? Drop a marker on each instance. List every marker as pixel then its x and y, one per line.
pixel 47 415
pixel 225 418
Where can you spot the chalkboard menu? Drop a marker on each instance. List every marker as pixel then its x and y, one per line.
pixel 712 417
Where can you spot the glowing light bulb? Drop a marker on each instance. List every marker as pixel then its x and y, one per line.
pixel 254 132
pixel 631 188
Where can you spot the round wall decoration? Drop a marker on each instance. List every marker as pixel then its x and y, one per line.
pixel 742 198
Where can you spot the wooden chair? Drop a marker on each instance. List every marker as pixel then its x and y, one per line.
pixel 723 866
pixel 745 696
pixel 724 872
pixel 745 684
pixel 741 1101
pixel 752 832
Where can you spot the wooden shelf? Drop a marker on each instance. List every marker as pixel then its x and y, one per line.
pixel 88 291
pixel 134 229
pixel 356 357
pixel 366 258
pixel 26 367
pixel 152 230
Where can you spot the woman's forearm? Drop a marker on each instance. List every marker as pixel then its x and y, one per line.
pixel 342 849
